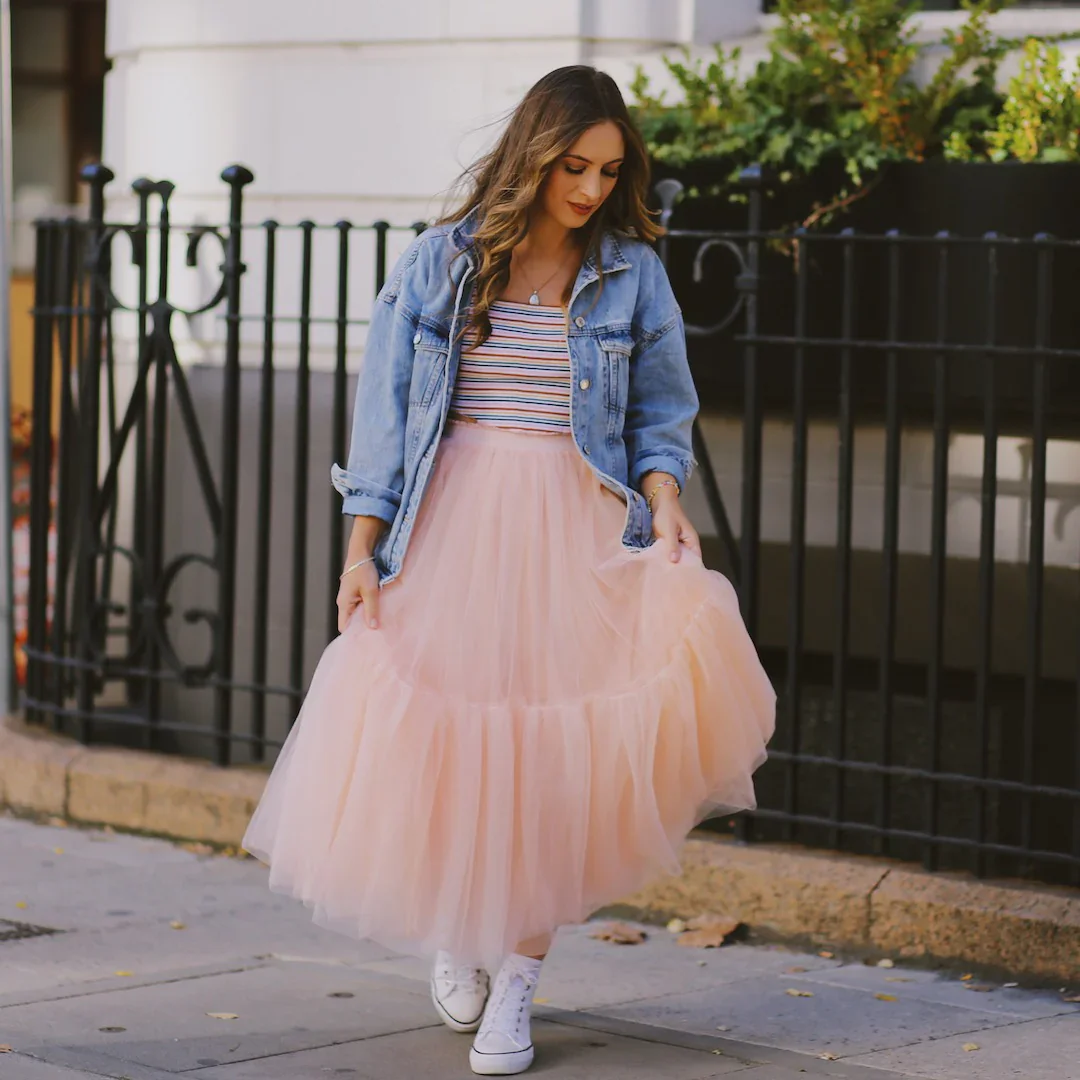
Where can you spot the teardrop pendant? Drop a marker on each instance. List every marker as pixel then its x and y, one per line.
pixel 535 298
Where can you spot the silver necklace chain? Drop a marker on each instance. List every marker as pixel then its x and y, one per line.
pixel 534 296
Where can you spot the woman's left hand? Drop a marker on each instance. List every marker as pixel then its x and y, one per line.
pixel 671 526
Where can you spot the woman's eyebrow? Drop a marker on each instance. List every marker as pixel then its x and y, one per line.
pixel 614 161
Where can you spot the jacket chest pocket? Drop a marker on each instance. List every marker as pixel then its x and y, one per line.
pixel 430 349
pixel 616 349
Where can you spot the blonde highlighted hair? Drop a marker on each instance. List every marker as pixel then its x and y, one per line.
pixel 503 184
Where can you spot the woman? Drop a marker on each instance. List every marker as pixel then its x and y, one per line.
pixel 539 688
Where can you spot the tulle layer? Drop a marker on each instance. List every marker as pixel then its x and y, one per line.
pixel 541 718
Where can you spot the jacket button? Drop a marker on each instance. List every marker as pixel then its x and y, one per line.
pixel 416 339
pixel 584 384
pixel 585 448
pixel 579 322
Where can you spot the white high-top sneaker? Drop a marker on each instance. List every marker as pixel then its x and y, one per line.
pixel 459 992
pixel 503 1045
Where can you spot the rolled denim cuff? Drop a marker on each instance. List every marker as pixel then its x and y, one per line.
pixel 680 467
pixel 364 497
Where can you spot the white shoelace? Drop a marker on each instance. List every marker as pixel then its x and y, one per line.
pixel 509 1006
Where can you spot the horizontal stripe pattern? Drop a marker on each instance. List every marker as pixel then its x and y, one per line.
pixel 520 376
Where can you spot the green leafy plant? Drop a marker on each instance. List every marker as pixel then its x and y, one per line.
pixel 1040 118
pixel 838 88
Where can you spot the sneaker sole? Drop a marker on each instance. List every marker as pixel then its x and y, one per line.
pixel 450 1022
pixel 501 1064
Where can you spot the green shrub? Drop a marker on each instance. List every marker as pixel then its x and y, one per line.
pixel 838 88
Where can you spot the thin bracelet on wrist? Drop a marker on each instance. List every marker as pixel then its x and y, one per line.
pixel 350 569
pixel 663 483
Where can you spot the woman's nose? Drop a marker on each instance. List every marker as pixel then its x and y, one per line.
pixel 590 189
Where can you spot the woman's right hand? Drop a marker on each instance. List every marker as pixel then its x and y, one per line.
pixel 360 586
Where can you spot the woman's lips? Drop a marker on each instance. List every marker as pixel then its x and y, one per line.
pixel 582 210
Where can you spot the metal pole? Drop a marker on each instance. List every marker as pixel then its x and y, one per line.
pixel 7 623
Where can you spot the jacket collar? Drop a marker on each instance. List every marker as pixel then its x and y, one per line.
pixel 611 253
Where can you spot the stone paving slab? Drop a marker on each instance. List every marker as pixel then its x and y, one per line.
pixel 280 1008
pixel 562 1052
pixel 836 1019
pixel 934 987
pixel 19 1067
pixel 1047 1049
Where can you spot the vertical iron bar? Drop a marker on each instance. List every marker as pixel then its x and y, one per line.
pixel 938 526
pixel 260 636
pixel 797 576
pixel 338 449
pixel 138 689
pixel 846 468
pixel 236 176
pixel 890 538
pixel 40 464
pixel 161 313
pixel 750 529
pixel 985 630
pixel 750 511
pixel 300 477
pixel 1036 552
pixel 381 229
pixel 66 281
pixel 87 613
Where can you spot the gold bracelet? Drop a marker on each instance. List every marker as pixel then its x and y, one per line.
pixel 350 569
pixel 663 483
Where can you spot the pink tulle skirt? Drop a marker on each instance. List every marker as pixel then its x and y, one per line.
pixel 541 718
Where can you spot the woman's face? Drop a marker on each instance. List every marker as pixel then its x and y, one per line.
pixel 584 176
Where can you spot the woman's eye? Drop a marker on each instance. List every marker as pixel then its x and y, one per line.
pixel 576 172
pixel 612 175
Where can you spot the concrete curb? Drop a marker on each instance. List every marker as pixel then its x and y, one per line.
pixel 846 901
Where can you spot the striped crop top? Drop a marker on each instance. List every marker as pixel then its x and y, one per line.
pixel 520 376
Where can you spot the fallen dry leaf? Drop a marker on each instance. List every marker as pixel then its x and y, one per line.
pixel 5 1049
pixel 677 926
pixel 964 978
pixel 723 1027
pixel 541 1001
pixel 1072 999
pixel 897 978
pixel 708 931
pixel 58 850
pixel 971 1046
pixel 701 963
pixel 176 924
pixel 828 955
pixel 620 934
pixel 886 997
pixel 885 963
pixel 21 904
pixel 794 970
pixel 112 1027
pixel 982 988
pixel 224 1016
pixel 123 972
pixel 800 993
pixel 826 1056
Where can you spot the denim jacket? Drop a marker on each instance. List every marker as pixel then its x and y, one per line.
pixel 632 398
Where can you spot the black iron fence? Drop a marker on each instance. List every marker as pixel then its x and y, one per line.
pixel 929 677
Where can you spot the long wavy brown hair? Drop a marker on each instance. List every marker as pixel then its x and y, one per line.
pixel 503 184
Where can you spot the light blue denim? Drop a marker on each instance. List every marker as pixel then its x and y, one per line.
pixel 632 398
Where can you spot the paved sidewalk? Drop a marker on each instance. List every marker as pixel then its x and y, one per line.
pixel 120 992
